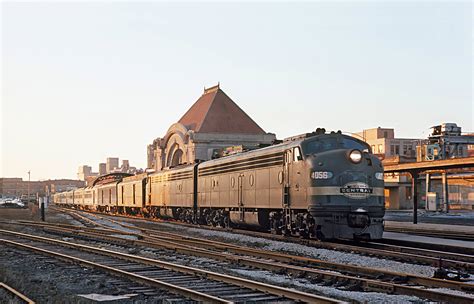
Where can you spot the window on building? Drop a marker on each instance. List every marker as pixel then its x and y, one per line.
pixel 405 149
pixel 380 148
pixel 408 193
pixel 397 150
pixel 392 149
pixel 373 149
pixel 385 134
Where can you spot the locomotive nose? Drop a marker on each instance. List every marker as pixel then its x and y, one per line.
pixel 343 159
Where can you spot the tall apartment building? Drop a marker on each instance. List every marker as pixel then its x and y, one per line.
pixel 112 164
pixel 125 165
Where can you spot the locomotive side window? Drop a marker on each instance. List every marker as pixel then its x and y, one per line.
pixel 297 154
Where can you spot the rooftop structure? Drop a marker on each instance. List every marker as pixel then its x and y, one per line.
pixel 215 112
pixel 213 122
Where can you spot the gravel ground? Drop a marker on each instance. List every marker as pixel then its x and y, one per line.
pixel 268 277
pixel 45 280
pixel 362 297
pixel 7 297
pixel 303 250
pixel 223 267
pixel 260 275
pixel 32 213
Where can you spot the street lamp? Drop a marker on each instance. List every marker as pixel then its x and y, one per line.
pixel 28 198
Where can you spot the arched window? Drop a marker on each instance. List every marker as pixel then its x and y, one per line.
pixel 177 157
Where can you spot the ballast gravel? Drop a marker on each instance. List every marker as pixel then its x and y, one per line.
pixel 317 253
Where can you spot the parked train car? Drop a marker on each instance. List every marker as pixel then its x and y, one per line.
pixel 243 188
pixel 78 197
pixel 69 198
pixel 171 193
pixel 56 198
pixel 88 198
pixel 132 194
pixel 107 197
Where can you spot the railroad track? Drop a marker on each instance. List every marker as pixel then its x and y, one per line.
pixel 315 270
pixel 18 296
pixel 188 282
pixel 402 251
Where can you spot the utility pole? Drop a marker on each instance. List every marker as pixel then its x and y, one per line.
pixel 28 199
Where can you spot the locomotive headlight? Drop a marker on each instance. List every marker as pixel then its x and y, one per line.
pixel 355 156
pixel 379 175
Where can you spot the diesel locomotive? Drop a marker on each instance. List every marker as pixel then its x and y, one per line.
pixel 317 185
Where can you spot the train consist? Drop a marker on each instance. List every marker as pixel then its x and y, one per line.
pixel 319 185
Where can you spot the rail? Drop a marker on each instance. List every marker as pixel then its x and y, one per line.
pixel 281 262
pixel 266 288
pixel 16 293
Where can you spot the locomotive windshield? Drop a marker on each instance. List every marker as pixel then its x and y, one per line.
pixel 332 143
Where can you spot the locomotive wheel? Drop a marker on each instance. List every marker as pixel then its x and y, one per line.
pixel 319 234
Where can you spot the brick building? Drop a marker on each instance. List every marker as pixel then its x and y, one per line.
pixel 385 145
pixel 18 187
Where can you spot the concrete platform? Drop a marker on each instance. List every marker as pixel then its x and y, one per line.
pixel 410 238
pixel 455 217
pixel 430 227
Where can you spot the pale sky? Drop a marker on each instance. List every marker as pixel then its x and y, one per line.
pixel 85 80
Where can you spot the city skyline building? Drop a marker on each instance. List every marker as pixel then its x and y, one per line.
pixel 112 163
pixel 85 172
pixel 102 169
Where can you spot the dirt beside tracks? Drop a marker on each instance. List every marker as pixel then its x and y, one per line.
pixel 46 280
pixel 33 213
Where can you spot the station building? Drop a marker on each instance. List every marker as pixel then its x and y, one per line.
pixel 212 123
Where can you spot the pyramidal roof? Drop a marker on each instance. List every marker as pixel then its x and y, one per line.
pixel 215 112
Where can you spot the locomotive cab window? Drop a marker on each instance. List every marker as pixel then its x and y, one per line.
pixel 297 154
pixel 333 143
